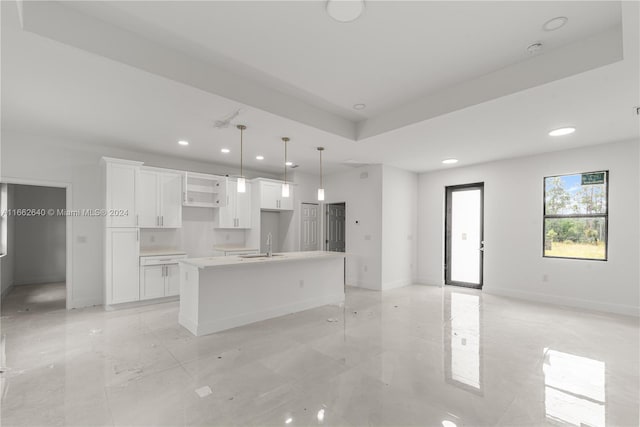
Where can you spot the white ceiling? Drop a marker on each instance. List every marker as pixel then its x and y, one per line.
pixel 51 87
pixel 394 53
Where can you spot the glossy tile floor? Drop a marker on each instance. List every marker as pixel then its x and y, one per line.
pixel 413 356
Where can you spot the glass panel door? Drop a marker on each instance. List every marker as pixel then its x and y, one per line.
pixel 464 237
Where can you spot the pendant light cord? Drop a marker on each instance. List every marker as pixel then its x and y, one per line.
pixel 321 169
pixel 241 146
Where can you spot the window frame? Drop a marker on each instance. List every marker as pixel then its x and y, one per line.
pixel 604 215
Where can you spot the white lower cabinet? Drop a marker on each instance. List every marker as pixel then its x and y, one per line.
pixel 151 281
pixel 122 250
pixel 172 280
pixel 159 276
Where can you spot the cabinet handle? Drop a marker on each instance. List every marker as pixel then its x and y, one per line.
pixel 136 220
pixel 162 220
pixel 137 235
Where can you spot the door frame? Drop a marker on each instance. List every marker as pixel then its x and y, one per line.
pixel 68 224
pixel 447 234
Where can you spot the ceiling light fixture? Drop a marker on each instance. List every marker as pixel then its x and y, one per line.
pixel 225 150
pixel 285 184
pixel 321 188
pixel 449 161
pixel 288 163
pixel 259 157
pixel 555 23
pixel 359 106
pixel 183 142
pixel 534 48
pixel 562 131
pixel 242 185
pixel 345 10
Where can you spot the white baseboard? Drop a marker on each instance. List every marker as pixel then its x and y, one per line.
pixel 40 280
pixel 396 284
pixel 627 310
pixel 7 290
pixel 244 319
pixel 427 282
pixel 85 302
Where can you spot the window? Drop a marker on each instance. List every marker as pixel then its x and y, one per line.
pixel 576 216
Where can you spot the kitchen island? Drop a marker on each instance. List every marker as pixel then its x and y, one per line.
pixel 219 293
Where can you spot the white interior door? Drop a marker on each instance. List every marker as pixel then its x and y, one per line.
pixel 310 240
pixel 465 245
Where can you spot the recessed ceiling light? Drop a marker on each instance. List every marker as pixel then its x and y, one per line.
pixel 345 10
pixel 562 131
pixel 534 48
pixel 447 423
pixel 259 157
pixel 555 23
pixel 183 142
pixel 225 150
pixel 359 106
pixel 288 163
pixel 449 161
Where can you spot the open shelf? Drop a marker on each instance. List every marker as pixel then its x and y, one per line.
pixel 204 191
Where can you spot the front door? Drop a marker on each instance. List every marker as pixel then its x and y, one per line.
pixel 335 227
pixel 464 239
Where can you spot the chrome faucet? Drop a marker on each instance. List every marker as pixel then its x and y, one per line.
pixel 269 245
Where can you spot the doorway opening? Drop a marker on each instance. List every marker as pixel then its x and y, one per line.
pixel 464 236
pixel 310 227
pixel 35 252
pixel 335 222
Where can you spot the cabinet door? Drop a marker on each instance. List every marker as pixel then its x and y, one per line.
pixel 152 281
pixel 121 194
pixel 122 249
pixel 286 203
pixel 227 214
pixel 243 208
pixel 147 199
pixel 170 200
pixel 269 195
pixel 172 280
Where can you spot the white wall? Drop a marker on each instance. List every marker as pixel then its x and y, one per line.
pixel 399 227
pixel 40 241
pixel 513 264
pixel 37 157
pixel 7 277
pixel 361 190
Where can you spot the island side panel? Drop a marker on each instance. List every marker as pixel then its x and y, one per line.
pixel 189 297
pixel 238 295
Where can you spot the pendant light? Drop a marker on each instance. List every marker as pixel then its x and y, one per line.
pixel 242 186
pixel 285 184
pixel 321 189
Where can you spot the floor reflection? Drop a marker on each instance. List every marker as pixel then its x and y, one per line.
pixel 574 389
pixel 463 361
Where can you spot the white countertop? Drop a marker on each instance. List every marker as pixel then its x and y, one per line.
pixel 239 260
pixel 161 252
pixel 231 248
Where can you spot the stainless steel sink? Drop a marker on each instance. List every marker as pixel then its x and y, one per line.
pixel 259 256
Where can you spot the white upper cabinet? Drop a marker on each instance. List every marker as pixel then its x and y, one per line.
pixel 171 200
pixel 121 176
pixel 237 212
pixel 159 198
pixel 271 196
